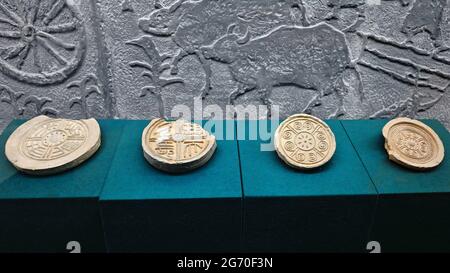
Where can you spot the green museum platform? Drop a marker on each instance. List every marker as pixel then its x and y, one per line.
pixel 326 209
pixel 146 210
pixel 413 211
pixel 44 213
pixel 244 199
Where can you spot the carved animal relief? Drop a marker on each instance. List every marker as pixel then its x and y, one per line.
pixel 45 146
pixel 412 144
pixel 306 47
pixel 330 58
pixel 177 146
pixel 304 142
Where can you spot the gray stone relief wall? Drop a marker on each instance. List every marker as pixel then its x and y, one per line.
pixel 49 61
pixel 137 59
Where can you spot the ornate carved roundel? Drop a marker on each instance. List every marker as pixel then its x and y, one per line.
pixel 177 146
pixel 304 141
pixel 54 139
pixel 412 144
pixel 43 145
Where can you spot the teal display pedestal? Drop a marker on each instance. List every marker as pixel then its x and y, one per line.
pixel 43 214
pixel 413 213
pixel 327 209
pixel 243 199
pixel 146 210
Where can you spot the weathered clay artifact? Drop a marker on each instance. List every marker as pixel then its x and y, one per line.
pixel 43 145
pixel 304 142
pixel 177 146
pixel 412 144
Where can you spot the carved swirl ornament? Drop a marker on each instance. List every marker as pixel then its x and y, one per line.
pixel 41 42
pixel 412 144
pixel 304 142
pixel 44 145
pixel 177 146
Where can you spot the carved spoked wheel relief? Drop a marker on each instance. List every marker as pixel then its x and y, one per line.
pixel 54 139
pixel 304 142
pixel 412 144
pixel 41 42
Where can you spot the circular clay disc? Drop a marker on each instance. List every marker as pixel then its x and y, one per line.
pixel 177 146
pixel 412 144
pixel 43 145
pixel 304 142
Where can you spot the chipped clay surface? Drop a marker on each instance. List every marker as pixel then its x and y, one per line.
pixel 137 59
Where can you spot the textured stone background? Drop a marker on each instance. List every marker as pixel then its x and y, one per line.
pixel 347 59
